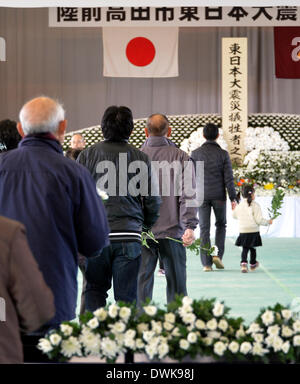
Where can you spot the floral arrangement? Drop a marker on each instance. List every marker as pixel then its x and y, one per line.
pixel 257 139
pixel 186 328
pixel 269 170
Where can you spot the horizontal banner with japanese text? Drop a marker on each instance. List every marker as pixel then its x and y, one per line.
pixel 175 16
pixel 134 3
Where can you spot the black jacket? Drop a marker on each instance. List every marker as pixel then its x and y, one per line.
pixel 127 214
pixel 217 171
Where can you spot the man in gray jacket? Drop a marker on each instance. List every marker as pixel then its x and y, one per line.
pixel 218 177
pixel 177 220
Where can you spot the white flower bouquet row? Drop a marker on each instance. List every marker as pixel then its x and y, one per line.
pixel 269 170
pixel 186 328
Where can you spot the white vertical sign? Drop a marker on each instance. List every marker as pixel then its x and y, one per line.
pixel 2 309
pixel 235 95
pixel 2 49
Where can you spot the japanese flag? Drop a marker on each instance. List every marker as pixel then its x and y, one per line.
pixel 140 52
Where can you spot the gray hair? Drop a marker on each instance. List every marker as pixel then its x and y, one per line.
pixel 41 114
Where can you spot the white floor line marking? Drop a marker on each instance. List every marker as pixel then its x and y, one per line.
pixel 272 277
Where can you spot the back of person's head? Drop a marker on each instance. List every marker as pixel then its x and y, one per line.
pixel 117 123
pixel 41 114
pixel 9 135
pixel 157 125
pixel 211 131
pixel 73 153
pixel 247 193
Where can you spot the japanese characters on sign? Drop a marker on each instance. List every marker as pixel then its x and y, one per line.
pixel 174 16
pixel 235 95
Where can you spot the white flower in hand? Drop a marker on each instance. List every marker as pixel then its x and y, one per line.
pixel 45 345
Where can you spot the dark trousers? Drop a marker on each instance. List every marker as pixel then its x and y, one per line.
pixel 119 262
pixel 245 255
pixel 173 256
pixel 219 209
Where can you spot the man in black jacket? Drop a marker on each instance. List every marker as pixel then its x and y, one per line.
pixel 130 208
pixel 218 177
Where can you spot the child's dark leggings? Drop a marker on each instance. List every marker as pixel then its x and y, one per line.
pixel 252 255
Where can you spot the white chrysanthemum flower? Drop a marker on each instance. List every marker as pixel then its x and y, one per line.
pixel 93 323
pixel 214 334
pixel 170 317
pixel 185 309
pixel 192 337
pixel 168 326
pixel 286 331
pixel 212 324
pixel 151 350
pixel 187 300
pixel 150 310
pixel 129 343
pixel 219 348
pixel 286 347
pixel 215 251
pixel 277 343
pixel 163 350
pixel 253 328
pixel 234 347
pixel 55 339
pixel 258 337
pixel 184 344
pixel 66 329
pixel 139 343
pixel 130 333
pixel 156 326
pixel 101 314
pixel 104 196
pixel 267 317
pixel 176 332
pixel 45 346
pixel 109 347
pixel 273 330
pixel 91 342
pixel 223 325
pixel 189 318
pixel 269 341
pixel 286 314
pixel 258 350
pixel 113 310
pixel 218 309
pixel 118 327
pixel 208 341
pixel 71 347
pixel 245 347
pixel 200 324
pixel 142 327
pixel 148 335
pixel 125 313
pixel 296 326
pixel 296 341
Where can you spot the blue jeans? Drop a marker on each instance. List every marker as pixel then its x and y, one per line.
pixel 173 256
pixel 120 262
pixel 219 208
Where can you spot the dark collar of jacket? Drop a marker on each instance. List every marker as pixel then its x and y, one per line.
pixel 211 142
pixel 116 141
pixel 41 140
pixel 158 141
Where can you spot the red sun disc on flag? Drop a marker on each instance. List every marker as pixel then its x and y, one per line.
pixel 140 51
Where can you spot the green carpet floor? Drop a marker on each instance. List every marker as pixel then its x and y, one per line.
pixel 276 280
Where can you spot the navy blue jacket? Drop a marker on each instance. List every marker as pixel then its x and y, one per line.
pixel 218 176
pixel 56 199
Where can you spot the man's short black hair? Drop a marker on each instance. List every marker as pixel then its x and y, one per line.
pixel 210 131
pixel 157 124
pixel 117 123
pixel 9 135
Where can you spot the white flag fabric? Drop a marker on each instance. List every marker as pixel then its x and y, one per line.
pixel 140 52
